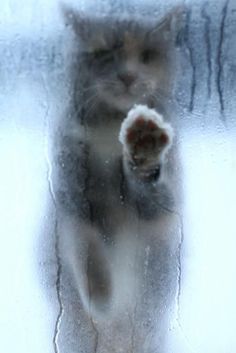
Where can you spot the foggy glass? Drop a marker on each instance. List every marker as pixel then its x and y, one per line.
pixel 41 309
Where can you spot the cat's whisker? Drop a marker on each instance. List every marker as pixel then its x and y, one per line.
pixel 92 104
pixel 171 98
pixel 88 101
pixel 107 83
pixel 87 89
pixel 89 105
pixel 157 96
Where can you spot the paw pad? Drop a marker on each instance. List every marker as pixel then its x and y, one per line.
pixel 145 136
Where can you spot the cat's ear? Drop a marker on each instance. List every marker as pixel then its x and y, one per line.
pixel 173 19
pixel 172 23
pixel 76 20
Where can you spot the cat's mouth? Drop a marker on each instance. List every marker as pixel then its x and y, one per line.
pixel 132 93
pixel 125 101
pixel 122 97
pixel 126 94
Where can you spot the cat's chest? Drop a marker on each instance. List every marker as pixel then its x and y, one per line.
pixel 103 141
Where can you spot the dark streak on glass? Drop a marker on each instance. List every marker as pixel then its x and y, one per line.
pixel 207 26
pixel 220 58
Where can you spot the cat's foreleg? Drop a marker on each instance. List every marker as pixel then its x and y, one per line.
pixel 146 139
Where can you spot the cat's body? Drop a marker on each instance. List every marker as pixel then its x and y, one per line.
pixel 114 173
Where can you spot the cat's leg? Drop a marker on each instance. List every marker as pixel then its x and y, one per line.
pixel 86 256
pixel 146 139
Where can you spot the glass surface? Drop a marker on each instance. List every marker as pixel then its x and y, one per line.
pixel 170 284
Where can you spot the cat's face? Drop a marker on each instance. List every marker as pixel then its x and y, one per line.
pixel 126 62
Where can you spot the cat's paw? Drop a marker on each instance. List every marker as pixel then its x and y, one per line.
pixel 145 137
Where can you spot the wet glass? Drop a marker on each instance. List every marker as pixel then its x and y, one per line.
pixel 160 277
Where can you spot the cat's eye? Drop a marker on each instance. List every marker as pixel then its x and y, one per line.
pixel 148 55
pixel 103 55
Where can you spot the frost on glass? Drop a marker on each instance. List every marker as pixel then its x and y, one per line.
pixel 160 284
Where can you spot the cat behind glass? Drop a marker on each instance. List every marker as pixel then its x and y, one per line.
pixel 116 152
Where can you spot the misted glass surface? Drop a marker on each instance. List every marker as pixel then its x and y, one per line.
pixel 117 183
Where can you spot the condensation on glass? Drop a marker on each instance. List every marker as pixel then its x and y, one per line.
pixel 41 310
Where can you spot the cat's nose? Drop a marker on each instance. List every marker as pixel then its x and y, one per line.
pixel 127 78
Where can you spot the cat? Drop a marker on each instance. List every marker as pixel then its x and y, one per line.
pixel 115 151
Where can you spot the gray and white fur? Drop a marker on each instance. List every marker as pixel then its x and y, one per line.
pixel 116 153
